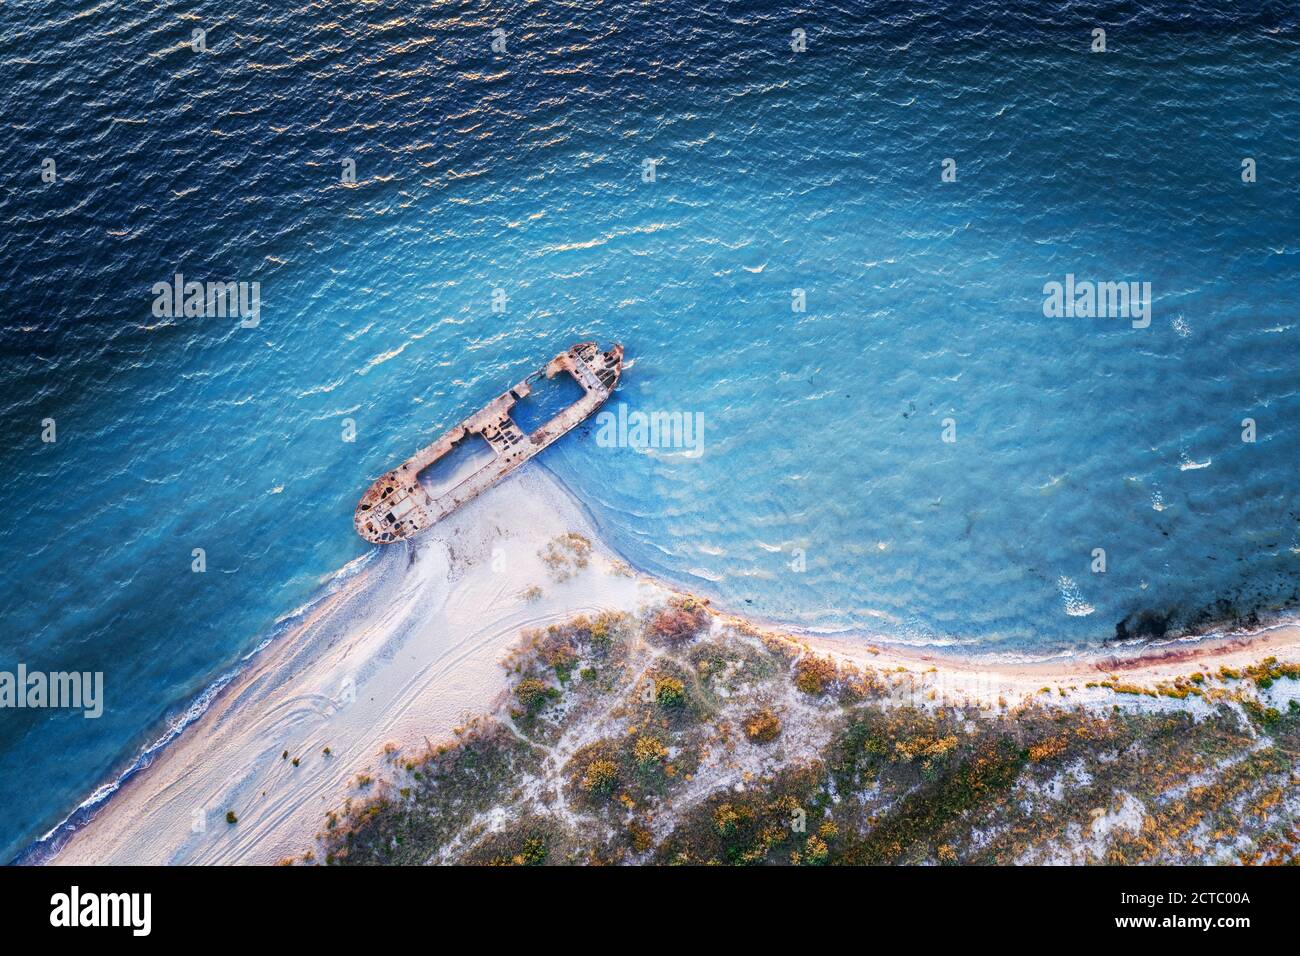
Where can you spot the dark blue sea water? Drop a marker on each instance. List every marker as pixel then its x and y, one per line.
pixel 522 171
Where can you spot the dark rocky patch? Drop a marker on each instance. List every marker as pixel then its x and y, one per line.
pixel 1143 624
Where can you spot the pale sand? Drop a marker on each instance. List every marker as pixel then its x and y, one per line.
pixel 420 632
pixel 1003 685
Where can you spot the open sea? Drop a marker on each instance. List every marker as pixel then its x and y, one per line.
pixel 824 495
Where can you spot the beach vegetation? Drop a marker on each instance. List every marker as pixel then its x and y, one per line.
pixel 566 555
pixel 452 786
pixel 762 726
pixel 815 851
pixel 649 751
pixel 681 621
pixel 533 694
pixel 873 782
pixel 1264 715
pixel 1049 748
pixel 532 840
pixel 924 748
pixel 600 777
pixel 641 838
pixel 669 692
pixel 1270 670
pixel 815 675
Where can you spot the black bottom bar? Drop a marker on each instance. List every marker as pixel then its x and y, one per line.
pixel 338 906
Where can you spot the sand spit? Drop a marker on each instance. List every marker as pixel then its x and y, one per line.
pixel 404 652
pixel 409 649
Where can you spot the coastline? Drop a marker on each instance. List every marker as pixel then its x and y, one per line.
pixel 1156 659
pixel 419 633
pixel 405 652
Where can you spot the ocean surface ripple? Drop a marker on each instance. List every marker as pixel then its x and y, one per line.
pixel 824 497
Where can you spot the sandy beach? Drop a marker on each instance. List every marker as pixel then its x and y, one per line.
pixel 404 652
pixel 409 649
pixel 1008 684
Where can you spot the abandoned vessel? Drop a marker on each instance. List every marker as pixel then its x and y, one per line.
pixel 397 506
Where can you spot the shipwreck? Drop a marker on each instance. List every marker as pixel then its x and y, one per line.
pixel 397 506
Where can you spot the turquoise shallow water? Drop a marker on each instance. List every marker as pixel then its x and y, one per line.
pixel 822 429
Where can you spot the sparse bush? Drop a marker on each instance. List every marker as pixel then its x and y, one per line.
pixel 1268 716
pixel 763 726
pixel 533 695
pixel 882 784
pixel 814 675
pixel 604 628
pixel 681 621
pixel 924 748
pixel 727 818
pixel 669 692
pixel 1269 670
pixel 601 777
pixel 816 851
pixel 649 751
pixel 642 838
pixel 566 555
pixel 533 853
pixel 1044 750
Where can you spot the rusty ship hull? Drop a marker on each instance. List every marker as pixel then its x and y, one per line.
pixel 397 507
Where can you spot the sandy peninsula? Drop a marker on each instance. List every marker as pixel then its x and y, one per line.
pixel 405 651
pixel 409 649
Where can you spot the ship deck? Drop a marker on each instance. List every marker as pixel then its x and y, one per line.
pixel 397 506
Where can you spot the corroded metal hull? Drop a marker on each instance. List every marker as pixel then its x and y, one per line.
pixel 397 506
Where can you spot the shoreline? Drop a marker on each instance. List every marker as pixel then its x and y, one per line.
pixel 452 608
pixel 405 652
pixel 953 652
pixel 170 730
pixel 1119 656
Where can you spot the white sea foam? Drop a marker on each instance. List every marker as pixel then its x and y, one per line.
pixel 1075 605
